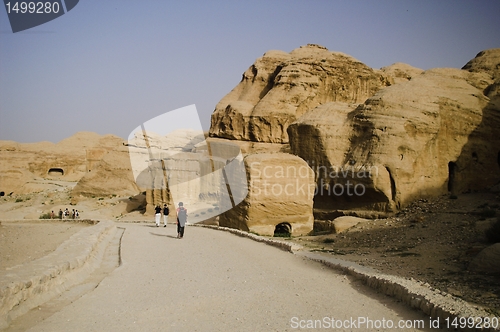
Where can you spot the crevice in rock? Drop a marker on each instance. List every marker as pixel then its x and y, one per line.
pixel 393 185
pixel 452 170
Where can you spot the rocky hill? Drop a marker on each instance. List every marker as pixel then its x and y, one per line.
pixel 375 139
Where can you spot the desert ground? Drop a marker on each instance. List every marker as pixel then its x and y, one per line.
pixel 24 241
pixel 212 281
pixel 431 240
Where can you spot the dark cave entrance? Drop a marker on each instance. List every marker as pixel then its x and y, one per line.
pixel 283 229
pixel 56 171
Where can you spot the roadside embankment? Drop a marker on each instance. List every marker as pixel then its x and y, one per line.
pixel 28 285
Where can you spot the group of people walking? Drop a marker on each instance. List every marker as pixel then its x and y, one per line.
pixel 66 214
pixel 181 217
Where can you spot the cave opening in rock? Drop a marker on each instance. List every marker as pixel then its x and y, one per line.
pixel 2 193
pixel 452 169
pixel 283 229
pixel 56 171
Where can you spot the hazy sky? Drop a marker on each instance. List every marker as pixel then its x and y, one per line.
pixel 108 66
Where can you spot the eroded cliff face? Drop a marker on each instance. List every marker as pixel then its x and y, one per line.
pixel 434 134
pixel 31 167
pixel 280 87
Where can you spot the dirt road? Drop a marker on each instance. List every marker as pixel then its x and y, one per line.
pixel 216 281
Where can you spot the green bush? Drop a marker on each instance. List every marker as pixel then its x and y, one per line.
pixel 45 216
pixel 282 235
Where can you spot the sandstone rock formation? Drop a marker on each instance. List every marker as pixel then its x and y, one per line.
pixel 375 139
pixel 111 175
pixel 23 166
pixel 279 87
pixel 400 72
pixel 431 135
pixel 342 224
pixel 183 167
pixel 487 261
pixel 280 197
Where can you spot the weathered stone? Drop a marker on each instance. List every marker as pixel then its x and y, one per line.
pixel 400 72
pixel 279 87
pixel 111 175
pixel 433 134
pixel 342 224
pixel 487 61
pixel 487 261
pixel 183 167
pixel 23 164
pixel 280 191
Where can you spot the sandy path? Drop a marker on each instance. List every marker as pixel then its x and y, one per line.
pixel 216 281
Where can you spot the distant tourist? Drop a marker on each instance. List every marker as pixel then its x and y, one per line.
pixel 181 220
pixel 52 214
pixel 73 215
pixel 60 214
pixel 157 215
pixel 165 214
pixel 77 214
pixel 66 213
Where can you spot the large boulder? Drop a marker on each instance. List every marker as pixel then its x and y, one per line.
pixel 279 87
pixel 428 136
pixel 344 223
pixel 280 196
pixel 487 261
pixel 182 166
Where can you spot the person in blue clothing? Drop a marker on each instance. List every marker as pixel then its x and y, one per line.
pixel 181 220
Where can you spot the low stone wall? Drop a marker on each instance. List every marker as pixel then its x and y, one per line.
pixel 29 285
pixel 416 294
pixel 287 246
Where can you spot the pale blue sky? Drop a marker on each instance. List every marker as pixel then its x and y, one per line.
pixel 108 66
